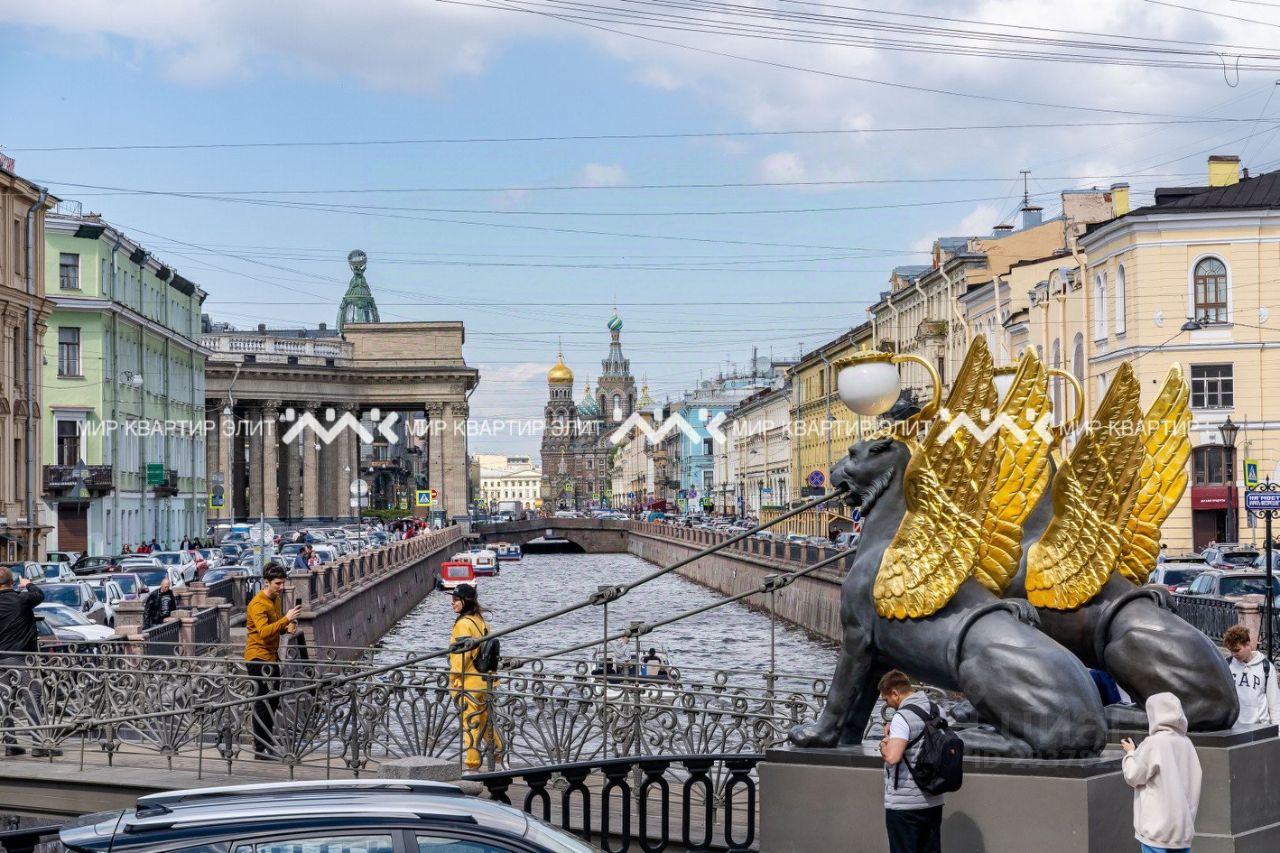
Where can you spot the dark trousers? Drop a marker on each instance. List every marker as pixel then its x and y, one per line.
pixel 914 830
pixel 266 679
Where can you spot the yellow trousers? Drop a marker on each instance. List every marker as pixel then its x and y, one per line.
pixel 473 712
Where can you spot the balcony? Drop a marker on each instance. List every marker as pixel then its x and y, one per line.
pixel 270 349
pixel 168 488
pixel 59 482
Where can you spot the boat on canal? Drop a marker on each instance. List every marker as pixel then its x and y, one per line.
pixel 483 561
pixel 653 670
pixel 507 551
pixel 453 573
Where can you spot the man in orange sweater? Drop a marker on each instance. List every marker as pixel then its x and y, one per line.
pixel 265 623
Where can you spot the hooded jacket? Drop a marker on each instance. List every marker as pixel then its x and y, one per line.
pixel 1258 689
pixel 1164 772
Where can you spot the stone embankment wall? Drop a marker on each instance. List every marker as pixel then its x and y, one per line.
pixel 811 602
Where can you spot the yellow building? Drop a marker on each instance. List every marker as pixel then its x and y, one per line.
pixel 1194 279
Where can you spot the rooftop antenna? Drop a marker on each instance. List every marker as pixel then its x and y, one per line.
pixel 1026 195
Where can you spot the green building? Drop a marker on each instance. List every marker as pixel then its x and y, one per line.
pixel 124 443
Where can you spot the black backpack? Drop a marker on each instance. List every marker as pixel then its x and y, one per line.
pixel 939 765
pixel 488 654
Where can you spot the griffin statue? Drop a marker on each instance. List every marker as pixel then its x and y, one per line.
pixel 987 566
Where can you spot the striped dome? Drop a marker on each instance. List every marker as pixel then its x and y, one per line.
pixel 588 408
pixel 615 323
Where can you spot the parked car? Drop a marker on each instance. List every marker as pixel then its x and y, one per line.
pixel 131 585
pixel 357 815
pixel 86 565
pixel 71 626
pixel 57 572
pixel 1177 576
pixel 1230 556
pixel 79 596
pixel 212 556
pixel 846 539
pixel 1237 583
pixel 152 575
pixel 132 562
pixel 108 592
pixel 28 569
pixel 181 559
pixel 68 557
pixel 231 551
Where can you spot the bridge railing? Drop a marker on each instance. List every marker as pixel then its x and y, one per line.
pixel 552 712
pixel 331 581
pixel 775 549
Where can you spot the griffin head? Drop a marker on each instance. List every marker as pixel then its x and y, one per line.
pixel 869 469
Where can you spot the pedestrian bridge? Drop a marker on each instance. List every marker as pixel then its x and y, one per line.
pixel 594 536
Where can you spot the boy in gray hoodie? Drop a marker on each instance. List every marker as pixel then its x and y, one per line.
pixel 1164 773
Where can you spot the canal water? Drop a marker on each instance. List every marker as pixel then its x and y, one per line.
pixel 732 637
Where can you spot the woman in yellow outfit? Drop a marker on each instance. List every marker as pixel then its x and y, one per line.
pixel 467 685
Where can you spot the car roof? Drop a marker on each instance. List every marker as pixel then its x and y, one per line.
pixel 272 805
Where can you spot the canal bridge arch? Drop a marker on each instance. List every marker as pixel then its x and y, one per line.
pixel 594 536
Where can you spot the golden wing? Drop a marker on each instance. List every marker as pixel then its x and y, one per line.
pixel 931 554
pixel 951 444
pixel 1093 493
pixel 1015 464
pixel 1163 478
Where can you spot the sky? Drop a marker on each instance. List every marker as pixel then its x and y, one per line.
pixel 729 175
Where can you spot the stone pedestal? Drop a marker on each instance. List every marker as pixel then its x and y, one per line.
pixel 832 799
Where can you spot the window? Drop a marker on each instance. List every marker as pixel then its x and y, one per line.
pixel 1212 386
pixel 1077 358
pixel 1100 307
pixel 436 844
pixel 1212 464
pixel 708 481
pixel 1119 299
pixel 67 436
pixel 69 271
pixel 68 351
pixel 1209 291
pixel 707 447
pixel 325 844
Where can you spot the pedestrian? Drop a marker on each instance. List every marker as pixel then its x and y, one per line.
pixel 128 549
pixel 467 685
pixel 1164 773
pixel 17 640
pixel 143 549
pixel 912 819
pixel 300 558
pixel 160 605
pixel 264 623
pixel 1256 685
pixel 1163 556
pixel 186 544
pixel 154 545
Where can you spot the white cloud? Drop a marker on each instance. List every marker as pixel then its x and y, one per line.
pixel 601 175
pixel 781 166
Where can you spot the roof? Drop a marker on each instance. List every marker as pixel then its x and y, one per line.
pixel 911 270
pixel 1255 193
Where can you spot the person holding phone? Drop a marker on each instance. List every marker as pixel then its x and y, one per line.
pixel 1164 773
pixel 17 639
pixel 265 624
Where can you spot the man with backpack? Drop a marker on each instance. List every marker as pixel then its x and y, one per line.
pixel 1255 682
pixel 922 761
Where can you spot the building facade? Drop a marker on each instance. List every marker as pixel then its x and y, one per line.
pixel 301 412
pixel 754 465
pixel 499 484
pixel 24 314
pixel 124 436
pixel 633 468
pixel 576 446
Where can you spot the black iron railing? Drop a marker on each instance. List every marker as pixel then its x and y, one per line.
pixel 1212 616
pixel 162 639
pixel 618 802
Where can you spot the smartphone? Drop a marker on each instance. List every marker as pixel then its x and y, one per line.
pixel 298 603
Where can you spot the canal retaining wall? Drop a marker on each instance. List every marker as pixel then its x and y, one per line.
pixel 811 602
pixel 353 602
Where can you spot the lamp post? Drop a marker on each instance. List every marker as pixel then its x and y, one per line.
pixel 1229 431
pixel 133 380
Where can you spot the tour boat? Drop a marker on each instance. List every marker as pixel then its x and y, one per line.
pixel 482 560
pixel 653 673
pixel 455 572
pixel 507 551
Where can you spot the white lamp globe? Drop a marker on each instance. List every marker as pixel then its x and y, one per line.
pixel 1003 382
pixel 869 387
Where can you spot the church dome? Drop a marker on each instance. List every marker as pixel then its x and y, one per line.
pixel 615 322
pixel 560 374
pixel 588 408
pixel 645 401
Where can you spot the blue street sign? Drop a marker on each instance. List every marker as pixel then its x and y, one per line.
pixel 1261 501
pixel 1251 473
pixel 816 479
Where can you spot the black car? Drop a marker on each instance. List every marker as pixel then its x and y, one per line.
pixel 95 565
pixel 337 816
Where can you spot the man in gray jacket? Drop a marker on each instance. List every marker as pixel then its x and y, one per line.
pixel 912 818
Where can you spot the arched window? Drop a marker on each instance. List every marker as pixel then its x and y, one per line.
pixel 1057 386
pixel 617 407
pixel 1077 357
pixel 1209 291
pixel 1120 306
pixel 1100 307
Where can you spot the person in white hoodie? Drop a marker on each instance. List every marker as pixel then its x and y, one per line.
pixel 1164 773
pixel 1256 683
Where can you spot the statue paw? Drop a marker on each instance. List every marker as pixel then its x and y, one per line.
pixel 814 734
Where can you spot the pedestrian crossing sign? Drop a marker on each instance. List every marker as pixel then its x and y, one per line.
pixel 1251 473
pixel 426 497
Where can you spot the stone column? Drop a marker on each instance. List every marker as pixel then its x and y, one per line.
pixel 213 456
pixel 310 468
pixel 253 426
pixel 435 448
pixel 271 458
pixel 454 451
pixel 348 468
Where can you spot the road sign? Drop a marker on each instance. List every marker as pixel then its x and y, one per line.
pixel 1261 501
pixel 155 473
pixel 424 497
pixel 693 493
pixel 766 491
pixel 1251 473
pixel 816 479
pixel 217 497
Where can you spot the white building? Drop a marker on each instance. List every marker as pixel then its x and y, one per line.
pixel 499 484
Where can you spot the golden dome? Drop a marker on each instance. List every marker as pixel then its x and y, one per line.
pixel 560 374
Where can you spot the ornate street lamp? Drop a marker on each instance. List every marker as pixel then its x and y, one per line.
pixel 869 384
pixel 1230 430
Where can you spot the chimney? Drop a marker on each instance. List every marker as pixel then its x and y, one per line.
pixel 1224 170
pixel 262 327
pixel 1119 199
pixel 1001 230
pixel 1032 215
pixel 323 327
